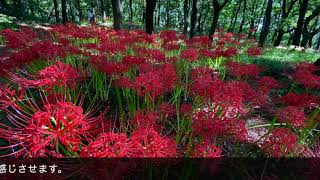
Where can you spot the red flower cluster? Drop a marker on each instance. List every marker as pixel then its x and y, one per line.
pixel 207 151
pixel 304 74
pixel 145 143
pixel 156 82
pixel 243 70
pixel 189 55
pixel 280 142
pixel 254 51
pixel 302 100
pixel 293 115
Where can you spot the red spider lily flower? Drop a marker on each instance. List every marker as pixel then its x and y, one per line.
pixel 124 82
pixel 207 151
pixel 254 51
pixel 292 115
pixel 280 142
pixel 30 129
pixel 148 120
pixel 243 70
pixel 303 100
pixel 155 55
pixel 17 40
pixel 7 97
pixel 168 36
pixel 133 60
pixel 59 74
pixel 185 110
pixel 109 145
pixel 156 82
pixel 206 53
pixel 171 46
pixel 189 55
pixel 151 144
pixel 110 68
pixel 167 110
pixel 231 51
pixel 268 83
pixel 307 67
pixel 307 78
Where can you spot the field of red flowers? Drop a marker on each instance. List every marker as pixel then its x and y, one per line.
pixel 74 91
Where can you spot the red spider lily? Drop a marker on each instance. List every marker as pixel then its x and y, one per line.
pixel 292 115
pixel 151 144
pixel 280 142
pixel 207 151
pixel 189 55
pixel 17 40
pixel 168 36
pixel 171 46
pixel 206 53
pixel 231 51
pixel 185 110
pixel 303 100
pixel 59 74
pixel 307 67
pixel 167 110
pixel 148 120
pixel 156 82
pixel 133 60
pixel 35 129
pixel 243 70
pixel 307 78
pixel 268 83
pixel 109 145
pixel 110 68
pixel 254 51
pixel 7 97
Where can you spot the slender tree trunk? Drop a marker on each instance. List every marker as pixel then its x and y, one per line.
pixel 318 42
pixel 298 31
pixel 185 16
pixel 252 17
pixel 64 11
pixel 150 7
pixel 216 13
pixel 56 12
pixel 193 19
pixel 243 17
pixel 167 14
pixel 262 15
pixel 116 9
pixel 266 24
pixel 107 3
pixel 305 32
pixel 199 23
pixel 236 17
pixel 131 10
pixel 71 11
pixel 159 13
pixel 278 39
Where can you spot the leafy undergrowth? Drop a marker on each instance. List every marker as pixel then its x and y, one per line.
pixel 76 91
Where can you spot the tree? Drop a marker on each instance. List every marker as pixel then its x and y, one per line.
pixel 217 8
pixel 116 9
pixel 150 7
pixel 193 19
pixel 235 18
pixel 131 10
pixel 285 11
pixel 185 16
pixel 298 30
pixel 64 11
pixel 56 12
pixel 266 24
pixel 243 16
pixel 305 33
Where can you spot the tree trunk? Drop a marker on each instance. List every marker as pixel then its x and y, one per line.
pixel 243 17
pixel 150 6
pixel 216 13
pixel 159 13
pixel 131 10
pixel 107 3
pixel 318 42
pixel 199 23
pixel 185 16
pixel 64 11
pixel 252 17
pixel 305 32
pixel 298 31
pixel 266 24
pixel 71 12
pixel 193 19
pixel 116 9
pixel 102 9
pixel 234 18
pixel 279 37
pixel 56 12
